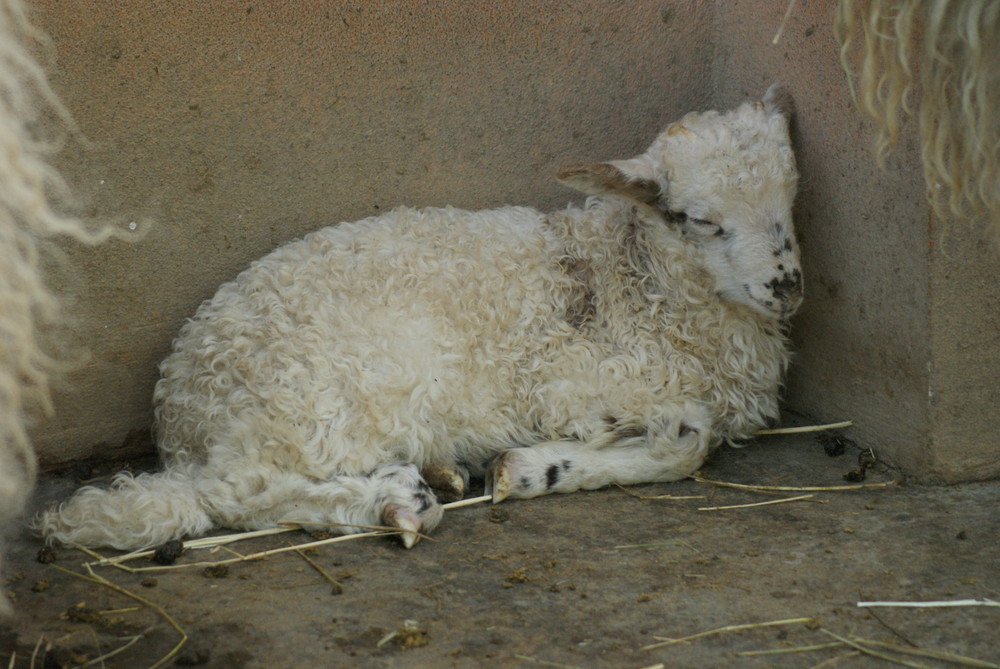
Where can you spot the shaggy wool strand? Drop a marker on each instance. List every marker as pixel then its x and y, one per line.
pixel 935 60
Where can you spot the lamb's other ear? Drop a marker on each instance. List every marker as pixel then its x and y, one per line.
pixel 619 178
pixel 778 100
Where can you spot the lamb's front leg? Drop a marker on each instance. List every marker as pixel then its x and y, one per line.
pixel 668 450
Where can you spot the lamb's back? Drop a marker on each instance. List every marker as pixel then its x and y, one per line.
pixel 417 316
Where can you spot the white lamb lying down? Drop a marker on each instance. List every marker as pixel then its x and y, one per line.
pixel 614 343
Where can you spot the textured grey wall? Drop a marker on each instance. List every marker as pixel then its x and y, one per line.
pixel 232 128
pixel 964 391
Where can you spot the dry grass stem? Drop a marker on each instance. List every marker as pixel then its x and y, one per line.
pixel 929 653
pixel 34 652
pixel 204 542
pixel 337 585
pixel 835 660
pixel 467 502
pixel 784 22
pixel 783 495
pixel 804 428
pixel 94 578
pixel 211 542
pixel 545 663
pixel 264 554
pixel 786 488
pixel 728 628
pixel 796 649
pixel 100 659
pixel 377 528
pixel 229 550
pixel 934 604
pixel 874 653
pixel 779 495
pixel 638 496
pixel 91 553
pixel 745 506
pixel 249 557
pixel 895 632
pixel 658 544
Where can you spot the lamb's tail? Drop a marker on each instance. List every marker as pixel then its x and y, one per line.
pixel 135 512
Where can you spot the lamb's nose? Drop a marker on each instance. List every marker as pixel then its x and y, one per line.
pixel 788 286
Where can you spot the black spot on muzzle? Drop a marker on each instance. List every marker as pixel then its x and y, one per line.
pixel 789 285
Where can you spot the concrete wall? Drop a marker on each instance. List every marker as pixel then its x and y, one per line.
pixel 964 389
pixel 231 128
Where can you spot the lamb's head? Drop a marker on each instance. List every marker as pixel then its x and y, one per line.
pixel 728 182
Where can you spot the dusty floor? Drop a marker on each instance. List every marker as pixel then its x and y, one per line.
pixel 584 580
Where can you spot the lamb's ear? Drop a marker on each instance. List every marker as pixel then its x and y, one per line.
pixel 778 100
pixel 630 179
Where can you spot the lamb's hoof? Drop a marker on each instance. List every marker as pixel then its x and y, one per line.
pixel 447 481
pixel 498 478
pixel 404 519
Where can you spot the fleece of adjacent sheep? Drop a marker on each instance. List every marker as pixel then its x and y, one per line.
pixel 615 342
pixel 28 310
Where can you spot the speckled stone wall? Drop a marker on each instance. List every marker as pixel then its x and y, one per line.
pixel 226 128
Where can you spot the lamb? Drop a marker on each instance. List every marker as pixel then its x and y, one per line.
pixel 615 342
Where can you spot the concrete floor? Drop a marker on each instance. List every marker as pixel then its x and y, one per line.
pixel 582 580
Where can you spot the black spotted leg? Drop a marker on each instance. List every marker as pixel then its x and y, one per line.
pixel 667 454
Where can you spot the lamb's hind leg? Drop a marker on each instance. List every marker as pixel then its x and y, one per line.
pixel 393 495
pixel 667 450
pixel 449 481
